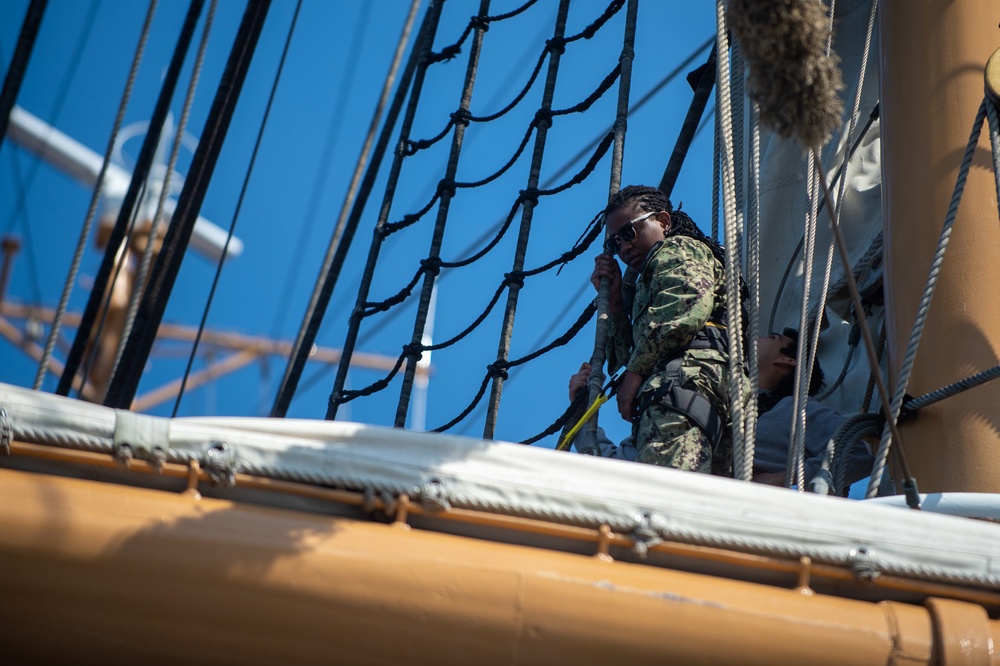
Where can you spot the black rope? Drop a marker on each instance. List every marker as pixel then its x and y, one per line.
pixel 554 45
pixel 19 62
pixel 524 91
pixel 602 88
pixel 499 368
pixel 437 236
pixel 483 22
pixel 236 213
pixel 412 218
pixel 125 382
pixel 374 307
pixel 348 396
pixel 557 425
pixel 592 29
pixel 74 64
pixel 127 210
pixel 502 170
pixel 418 65
pixel 330 271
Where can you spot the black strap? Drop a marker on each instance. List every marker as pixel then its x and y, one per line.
pixel 690 404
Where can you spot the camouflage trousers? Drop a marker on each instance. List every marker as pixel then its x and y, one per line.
pixel 665 437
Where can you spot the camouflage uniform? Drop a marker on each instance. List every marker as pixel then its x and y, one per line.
pixel 680 289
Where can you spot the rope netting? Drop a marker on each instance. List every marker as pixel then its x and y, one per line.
pixel 452 183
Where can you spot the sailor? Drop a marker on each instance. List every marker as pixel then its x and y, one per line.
pixel 776 356
pixel 672 338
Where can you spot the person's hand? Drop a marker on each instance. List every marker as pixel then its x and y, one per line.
pixel 627 392
pixel 605 266
pixel 578 381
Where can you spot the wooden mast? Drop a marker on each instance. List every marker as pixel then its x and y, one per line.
pixel 933 56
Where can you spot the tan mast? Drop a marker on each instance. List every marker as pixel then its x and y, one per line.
pixel 933 56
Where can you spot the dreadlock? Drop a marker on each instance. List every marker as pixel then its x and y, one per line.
pixel 649 200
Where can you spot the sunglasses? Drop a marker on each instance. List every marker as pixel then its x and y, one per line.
pixel 613 243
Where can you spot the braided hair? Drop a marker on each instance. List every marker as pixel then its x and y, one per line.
pixel 650 200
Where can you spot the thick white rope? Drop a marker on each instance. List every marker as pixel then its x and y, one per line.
pixel 88 222
pixel 753 284
pixel 806 347
pixel 733 314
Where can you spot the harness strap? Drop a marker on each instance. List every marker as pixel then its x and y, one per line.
pixel 690 404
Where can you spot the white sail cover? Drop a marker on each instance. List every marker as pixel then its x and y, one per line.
pixel 520 480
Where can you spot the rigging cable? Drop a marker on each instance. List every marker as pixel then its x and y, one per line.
pixel 239 205
pixel 94 199
pixel 122 388
pixel 19 62
pixel 341 103
pixel 527 212
pixel 882 453
pixel 601 332
pixel 347 224
pixel 139 282
pixel 446 193
pixel 795 470
pixel 139 175
pixel 75 59
pixel 420 58
pixel 552 179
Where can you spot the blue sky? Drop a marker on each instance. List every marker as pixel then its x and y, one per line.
pixel 337 62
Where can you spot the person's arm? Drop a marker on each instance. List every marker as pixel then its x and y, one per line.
pixel 683 277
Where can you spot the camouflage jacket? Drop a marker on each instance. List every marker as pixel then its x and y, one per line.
pixel 681 286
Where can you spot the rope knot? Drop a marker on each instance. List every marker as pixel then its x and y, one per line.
pixel 498 369
pixel 480 23
pixel 543 118
pixel 446 187
pixel 220 464
pixel 157 458
pixel 447 53
pixel 406 148
pixel 514 278
pixel 413 349
pixel 461 117
pixel 123 455
pixel 6 432
pixel 529 195
pixel 556 45
pixel 431 266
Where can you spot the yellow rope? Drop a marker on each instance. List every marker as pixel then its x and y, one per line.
pixel 568 439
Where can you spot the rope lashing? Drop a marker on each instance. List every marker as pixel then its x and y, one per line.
pixel 6 432
pixel 123 455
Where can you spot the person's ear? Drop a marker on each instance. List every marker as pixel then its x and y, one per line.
pixel 663 217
